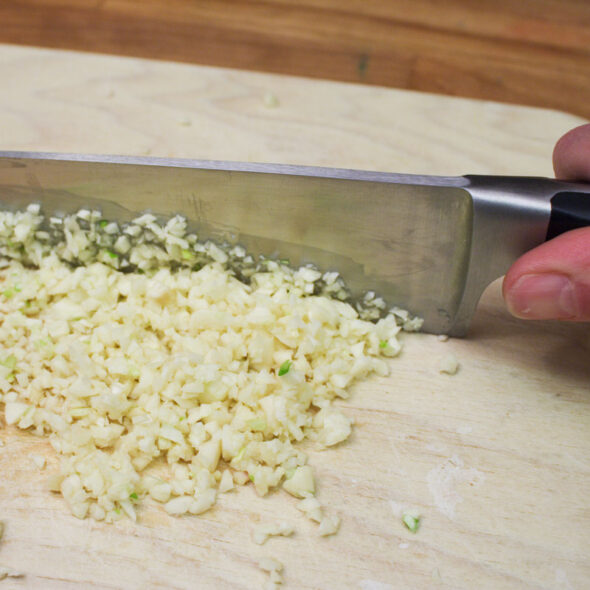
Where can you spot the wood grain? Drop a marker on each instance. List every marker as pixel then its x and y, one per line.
pixel 534 52
pixel 510 432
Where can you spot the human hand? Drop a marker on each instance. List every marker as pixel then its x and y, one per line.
pixel 552 281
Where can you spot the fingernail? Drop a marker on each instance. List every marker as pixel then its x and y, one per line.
pixel 542 297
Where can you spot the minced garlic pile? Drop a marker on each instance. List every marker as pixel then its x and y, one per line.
pixel 219 378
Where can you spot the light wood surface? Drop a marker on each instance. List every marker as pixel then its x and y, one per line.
pixel 535 52
pixel 496 458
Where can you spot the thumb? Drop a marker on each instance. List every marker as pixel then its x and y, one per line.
pixel 552 281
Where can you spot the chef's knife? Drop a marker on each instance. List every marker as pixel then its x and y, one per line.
pixel 430 244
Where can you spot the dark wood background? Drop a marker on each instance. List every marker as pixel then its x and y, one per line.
pixel 534 52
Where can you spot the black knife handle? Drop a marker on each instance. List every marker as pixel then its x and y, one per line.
pixel 569 210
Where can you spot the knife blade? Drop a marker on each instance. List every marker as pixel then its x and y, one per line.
pixel 429 244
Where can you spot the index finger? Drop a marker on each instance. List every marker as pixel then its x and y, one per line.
pixel 571 156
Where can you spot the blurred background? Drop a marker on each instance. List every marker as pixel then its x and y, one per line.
pixel 508 534
pixel 531 52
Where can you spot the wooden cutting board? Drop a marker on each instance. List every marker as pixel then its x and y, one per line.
pixel 496 458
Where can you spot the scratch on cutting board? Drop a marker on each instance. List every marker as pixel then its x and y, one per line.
pixel 396 508
pixel 437 448
pixel 397 459
pixel 374 585
pixel 561 579
pixel 443 480
pixel 464 429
